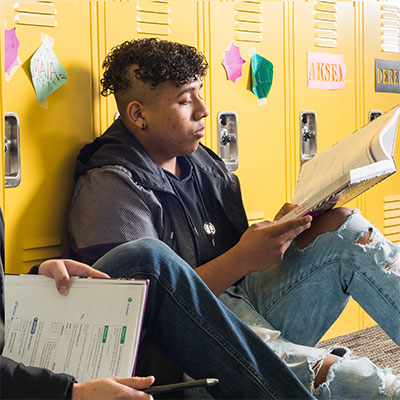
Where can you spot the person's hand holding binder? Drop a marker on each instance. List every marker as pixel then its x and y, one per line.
pixel 62 270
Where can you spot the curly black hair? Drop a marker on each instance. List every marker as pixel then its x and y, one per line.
pixel 158 61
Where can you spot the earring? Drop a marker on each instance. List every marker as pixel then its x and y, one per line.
pixel 143 126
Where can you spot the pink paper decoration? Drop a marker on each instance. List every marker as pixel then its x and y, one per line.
pixel 233 62
pixel 11 49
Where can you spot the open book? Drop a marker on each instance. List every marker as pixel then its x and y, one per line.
pixel 91 333
pixel 348 168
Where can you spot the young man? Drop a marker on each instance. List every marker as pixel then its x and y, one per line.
pixel 149 176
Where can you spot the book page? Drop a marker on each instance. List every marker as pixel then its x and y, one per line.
pixel 383 145
pixel 359 149
pixel 91 333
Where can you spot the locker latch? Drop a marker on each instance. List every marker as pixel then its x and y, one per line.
pixel 12 151
pixel 228 138
pixel 308 135
pixel 374 114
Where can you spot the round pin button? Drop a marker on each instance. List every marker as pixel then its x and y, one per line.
pixel 209 228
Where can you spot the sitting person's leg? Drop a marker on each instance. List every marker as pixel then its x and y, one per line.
pixel 205 338
pixel 202 336
pixel 305 293
pixel 197 331
pixel 346 377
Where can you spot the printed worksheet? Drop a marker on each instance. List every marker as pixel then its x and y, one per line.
pixel 91 333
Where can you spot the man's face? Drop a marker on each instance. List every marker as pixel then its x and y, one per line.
pixel 174 121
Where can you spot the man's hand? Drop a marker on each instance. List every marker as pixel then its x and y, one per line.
pixel 265 243
pixel 62 270
pixel 287 207
pixel 113 388
pixel 261 245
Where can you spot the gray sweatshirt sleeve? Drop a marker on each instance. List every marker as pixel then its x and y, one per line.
pixel 108 208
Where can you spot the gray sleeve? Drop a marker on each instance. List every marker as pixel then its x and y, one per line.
pixel 108 208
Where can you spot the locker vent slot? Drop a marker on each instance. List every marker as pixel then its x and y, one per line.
pixel 390 28
pixel 391 218
pixel 325 23
pixel 35 12
pixel 248 21
pixel 42 248
pixel 153 17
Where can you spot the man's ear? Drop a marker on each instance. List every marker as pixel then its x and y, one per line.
pixel 134 113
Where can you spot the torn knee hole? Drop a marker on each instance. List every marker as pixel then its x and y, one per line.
pixel 321 368
pixel 373 240
pixel 366 238
pixel 393 266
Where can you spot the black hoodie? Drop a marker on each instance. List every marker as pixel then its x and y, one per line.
pixel 218 188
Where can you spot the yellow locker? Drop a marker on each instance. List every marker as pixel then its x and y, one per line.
pixel 2 122
pixel 334 108
pixel 282 31
pixel 381 44
pixel 381 18
pixel 324 43
pixel 269 135
pixel 255 27
pixel 51 133
pixel 175 20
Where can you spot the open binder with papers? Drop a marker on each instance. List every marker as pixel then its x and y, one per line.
pixel 91 333
pixel 348 168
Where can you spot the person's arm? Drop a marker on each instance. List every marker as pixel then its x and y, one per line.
pixel 108 209
pixel 262 245
pixel 21 382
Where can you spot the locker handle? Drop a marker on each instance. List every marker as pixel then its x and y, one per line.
pixel 308 135
pixel 228 138
pixel 12 169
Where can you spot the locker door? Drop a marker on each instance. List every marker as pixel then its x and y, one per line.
pixel 327 28
pixel 2 122
pixel 51 133
pixel 335 109
pixel 175 20
pixel 381 17
pixel 252 26
pixel 381 30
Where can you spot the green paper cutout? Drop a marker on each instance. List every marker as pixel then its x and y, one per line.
pixel 46 71
pixel 262 72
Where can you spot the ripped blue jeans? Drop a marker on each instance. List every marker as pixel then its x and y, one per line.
pixel 299 298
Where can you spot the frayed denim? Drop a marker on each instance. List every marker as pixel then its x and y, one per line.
pixel 196 330
pixel 299 298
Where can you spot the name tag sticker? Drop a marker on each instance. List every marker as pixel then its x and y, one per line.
pixel 326 71
pixel 387 76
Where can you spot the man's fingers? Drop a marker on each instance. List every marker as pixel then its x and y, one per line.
pixel 57 270
pixel 136 382
pixel 287 207
pixel 61 270
pixel 294 226
pixel 76 268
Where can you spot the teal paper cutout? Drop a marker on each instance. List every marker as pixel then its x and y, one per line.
pixel 46 71
pixel 262 72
